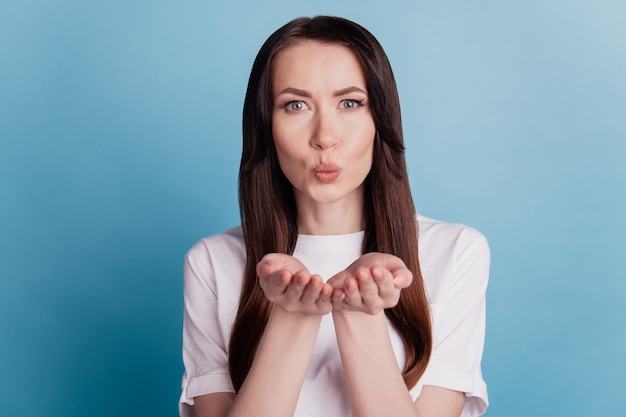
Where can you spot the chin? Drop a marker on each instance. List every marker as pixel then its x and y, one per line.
pixel 330 198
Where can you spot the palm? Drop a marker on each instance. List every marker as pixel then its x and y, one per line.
pixel 370 284
pixel 288 283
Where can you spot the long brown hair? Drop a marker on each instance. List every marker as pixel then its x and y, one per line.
pixel 268 209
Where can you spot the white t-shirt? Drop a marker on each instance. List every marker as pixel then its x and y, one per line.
pixel 454 260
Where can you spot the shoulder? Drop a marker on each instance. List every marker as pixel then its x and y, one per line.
pixel 439 233
pixel 452 255
pixel 213 267
pixel 229 241
pixel 216 259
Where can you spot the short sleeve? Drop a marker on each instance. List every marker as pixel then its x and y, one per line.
pixel 204 342
pixel 458 313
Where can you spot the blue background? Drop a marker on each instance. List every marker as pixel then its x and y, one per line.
pixel 119 148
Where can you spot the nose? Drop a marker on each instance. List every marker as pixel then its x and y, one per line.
pixel 325 133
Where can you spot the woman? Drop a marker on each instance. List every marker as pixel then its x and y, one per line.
pixel 317 305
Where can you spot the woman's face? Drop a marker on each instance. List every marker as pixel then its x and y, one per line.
pixel 321 122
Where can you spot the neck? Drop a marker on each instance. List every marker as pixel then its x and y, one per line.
pixel 335 218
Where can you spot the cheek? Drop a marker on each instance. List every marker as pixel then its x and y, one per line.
pixel 283 160
pixel 289 160
pixel 370 156
pixel 366 146
pixel 368 152
pixel 362 157
pixel 280 141
pixel 367 133
pixel 284 134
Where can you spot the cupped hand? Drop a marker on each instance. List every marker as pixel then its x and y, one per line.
pixel 370 284
pixel 287 283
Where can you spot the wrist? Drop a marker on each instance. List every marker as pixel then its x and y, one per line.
pixel 295 316
pixel 358 317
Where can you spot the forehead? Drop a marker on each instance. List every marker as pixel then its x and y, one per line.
pixel 310 63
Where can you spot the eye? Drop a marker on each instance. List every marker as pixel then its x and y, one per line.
pixel 296 105
pixel 350 103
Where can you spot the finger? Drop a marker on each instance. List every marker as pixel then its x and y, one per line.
pixel 279 280
pixel 402 278
pixel 312 290
pixel 369 289
pixel 296 287
pixel 351 290
pixel 384 281
pixel 324 302
pixel 274 286
pixel 338 295
pixel 265 268
pixel 326 293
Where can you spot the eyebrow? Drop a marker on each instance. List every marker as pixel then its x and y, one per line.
pixel 338 93
pixel 348 90
pixel 295 91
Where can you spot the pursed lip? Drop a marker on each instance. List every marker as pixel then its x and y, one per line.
pixel 326 172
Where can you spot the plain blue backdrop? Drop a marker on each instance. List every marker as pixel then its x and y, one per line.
pixel 119 148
